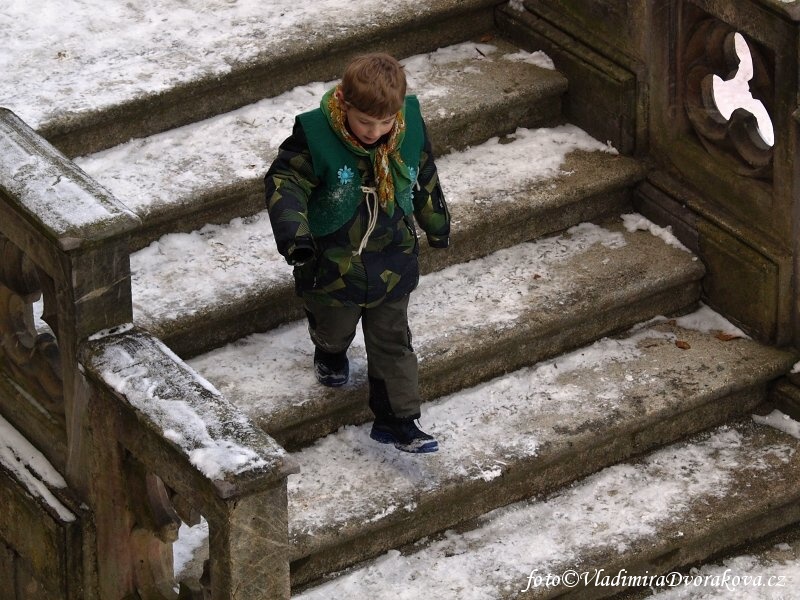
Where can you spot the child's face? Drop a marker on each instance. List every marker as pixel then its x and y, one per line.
pixel 366 128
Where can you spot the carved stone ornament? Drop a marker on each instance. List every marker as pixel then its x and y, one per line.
pixel 31 358
pixel 710 50
pixel 155 528
pixel 156 525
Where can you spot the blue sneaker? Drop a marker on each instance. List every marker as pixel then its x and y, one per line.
pixel 404 434
pixel 332 370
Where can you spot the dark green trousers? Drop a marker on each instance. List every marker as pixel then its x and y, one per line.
pixel 392 365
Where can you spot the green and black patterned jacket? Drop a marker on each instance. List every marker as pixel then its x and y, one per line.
pixel 327 267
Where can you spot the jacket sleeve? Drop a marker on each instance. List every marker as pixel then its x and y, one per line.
pixel 430 208
pixel 288 186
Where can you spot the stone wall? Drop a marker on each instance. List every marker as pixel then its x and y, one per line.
pixel 716 179
pixel 641 74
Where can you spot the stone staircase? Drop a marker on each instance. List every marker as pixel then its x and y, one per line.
pixel 534 365
pixel 640 520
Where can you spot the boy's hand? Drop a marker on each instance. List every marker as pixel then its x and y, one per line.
pixel 300 255
pixel 438 241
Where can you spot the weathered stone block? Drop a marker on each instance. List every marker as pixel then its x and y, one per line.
pixel 101 291
pixel 786 396
pixel 602 96
pixel 46 538
pixel 744 192
pixel 747 278
pixel 249 549
pixel 740 282
pixel 28 586
pixel 612 25
pixel 665 210
pixel 69 207
pixel 7 576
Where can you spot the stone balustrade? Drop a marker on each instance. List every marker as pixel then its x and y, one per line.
pixel 140 439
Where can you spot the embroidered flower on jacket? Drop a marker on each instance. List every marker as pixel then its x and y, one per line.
pixel 346 175
pixel 413 174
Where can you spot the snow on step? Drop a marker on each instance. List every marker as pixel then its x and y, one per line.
pixel 171 169
pixel 657 502
pixel 479 300
pixel 772 574
pixel 349 484
pixel 182 274
pixel 99 58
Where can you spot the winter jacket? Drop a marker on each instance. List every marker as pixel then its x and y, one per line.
pixel 328 267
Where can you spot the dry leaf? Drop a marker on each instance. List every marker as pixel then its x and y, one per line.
pixel 487 38
pixel 726 337
pixel 537 276
pixel 650 343
pixel 682 345
pixel 672 322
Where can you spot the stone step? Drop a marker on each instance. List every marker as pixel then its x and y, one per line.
pixel 645 518
pixel 137 71
pixel 500 193
pixel 766 570
pixel 212 171
pixel 471 322
pixel 520 435
pixel 534 431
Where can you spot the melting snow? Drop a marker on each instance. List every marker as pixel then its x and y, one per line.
pixel 31 468
pixel 780 421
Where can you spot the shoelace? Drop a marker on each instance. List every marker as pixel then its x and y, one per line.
pixel 372 211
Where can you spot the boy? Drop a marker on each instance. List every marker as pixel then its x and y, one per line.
pixel 340 196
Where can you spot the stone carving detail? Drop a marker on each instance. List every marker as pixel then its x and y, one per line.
pixel 158 513
pixel 32 358
pixel 710 50
pixel 155 528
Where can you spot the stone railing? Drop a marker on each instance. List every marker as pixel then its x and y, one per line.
pixel 140 439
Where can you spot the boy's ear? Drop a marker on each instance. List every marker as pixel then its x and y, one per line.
pixel 340 96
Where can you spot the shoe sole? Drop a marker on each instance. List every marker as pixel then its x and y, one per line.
pixel 332 382
pixel 425 447
pixel 329 381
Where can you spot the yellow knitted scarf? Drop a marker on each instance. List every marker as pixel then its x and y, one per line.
pixel 390 170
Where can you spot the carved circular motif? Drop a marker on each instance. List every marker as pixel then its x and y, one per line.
pixel 710 50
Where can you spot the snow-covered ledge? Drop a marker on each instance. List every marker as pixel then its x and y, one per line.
pixel 52 192
pixel 63 237
pixel 68 225
pixel 180 428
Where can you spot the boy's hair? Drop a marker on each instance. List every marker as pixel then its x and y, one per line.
pixel 375 84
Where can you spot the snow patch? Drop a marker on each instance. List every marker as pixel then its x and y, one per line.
pixel 616 509
pixel 496 169
pixel 32 469
pixel 706 320
pixel 189 427
pixel 779 421
pixel 538 58
pixel 190 540
pixel 634 222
